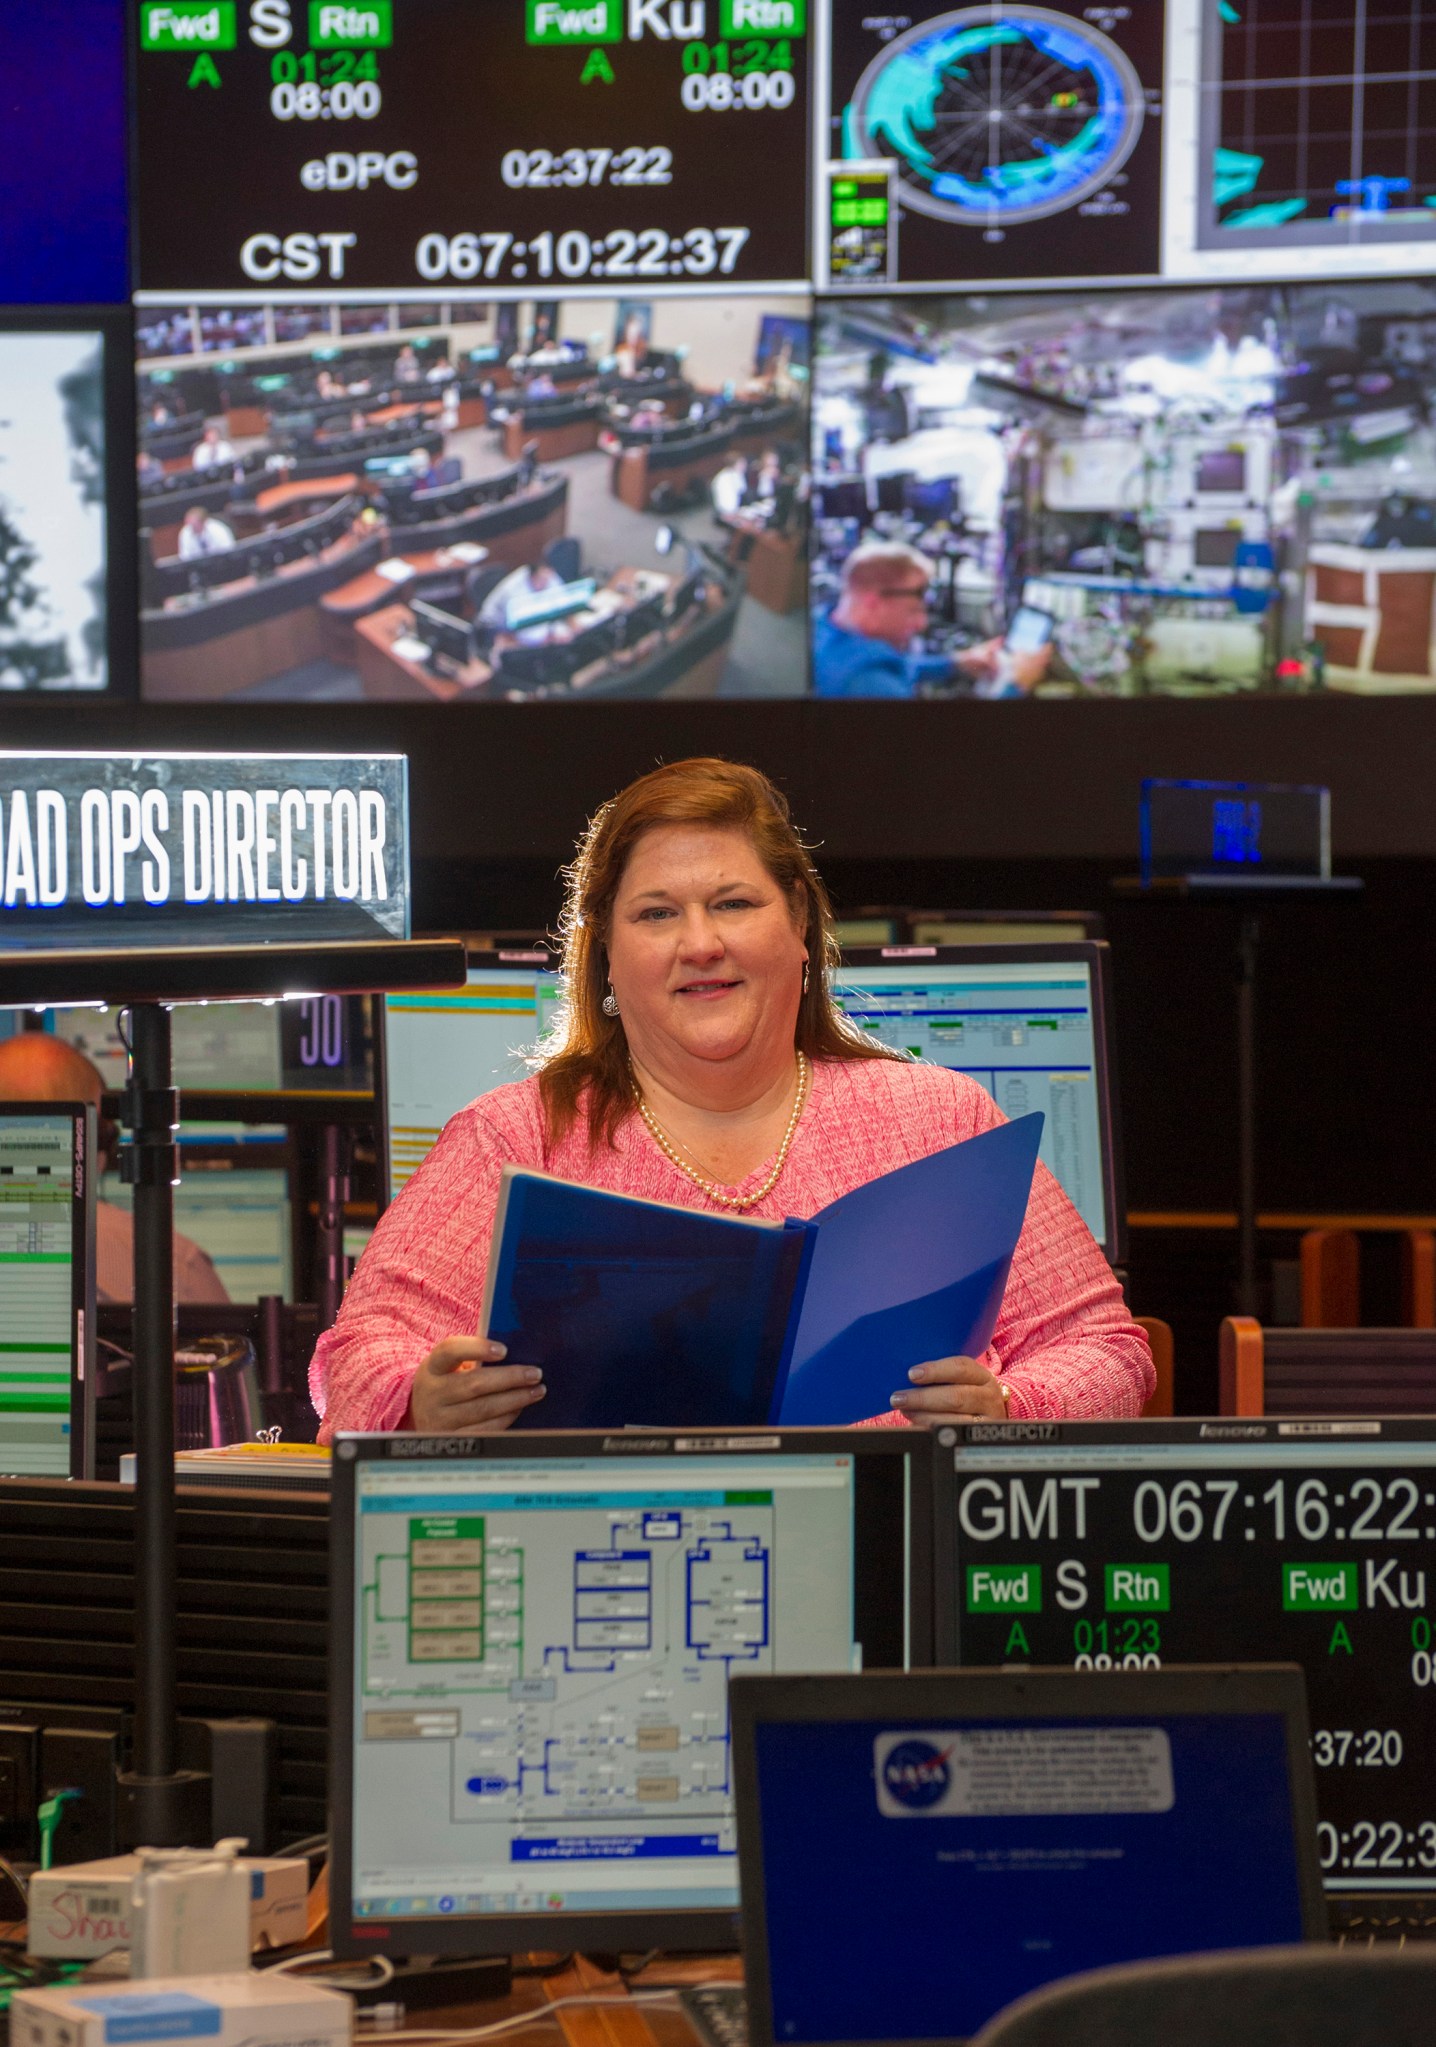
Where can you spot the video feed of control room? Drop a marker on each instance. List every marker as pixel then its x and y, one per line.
pixel 1206 491
pixel 474 501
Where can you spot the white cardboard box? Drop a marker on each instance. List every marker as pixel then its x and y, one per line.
pixel 83 1911
pixel 256 2010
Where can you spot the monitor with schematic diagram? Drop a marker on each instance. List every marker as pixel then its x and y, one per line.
pixel 1032 1024
pixel 529 1731
pixel 1212 493
pixel 47 1284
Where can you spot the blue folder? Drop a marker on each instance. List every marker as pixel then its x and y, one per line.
pixel 644 1313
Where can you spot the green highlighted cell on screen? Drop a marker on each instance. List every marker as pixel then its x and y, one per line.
pixel 1318 1588
pixel 351 24
pixel 574 21
pixel 1004 1588
pixel 1139 1588
pixel 763 17
pixel 187 25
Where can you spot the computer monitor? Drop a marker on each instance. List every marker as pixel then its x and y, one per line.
pixel 929 498
pixel 1124 1545
pixel 238 1214
pixel 312 1044
pixel 919 1850
pixel 529 1736
pixel 1032 1024
pixel 436 1050
pixel 47 1284
pixel 541 607
pixel 444 635
pixel 840 497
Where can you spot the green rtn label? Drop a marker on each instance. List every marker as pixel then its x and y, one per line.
pixel 1139 1588
pixel 347 24
pixel 187 25
pixel 763 17
pixel 1318 1588
pixel 574 21
pixel 1004 1588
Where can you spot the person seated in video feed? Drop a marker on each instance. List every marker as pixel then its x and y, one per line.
pixel 541 386
pixel 406 366
pixel 327 386
pixel 768 481
pixel 868 644
pixel 632 349
pixel 519 584
pixel 201 533
pixel 211 450
pixel 148 471
pixel 729 488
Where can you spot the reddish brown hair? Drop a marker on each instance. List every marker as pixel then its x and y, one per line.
pixel 586 1061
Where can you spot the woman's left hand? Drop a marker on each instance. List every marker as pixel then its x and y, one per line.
pixel 951 1390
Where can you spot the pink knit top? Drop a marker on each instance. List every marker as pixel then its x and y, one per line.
pixel 1064 1342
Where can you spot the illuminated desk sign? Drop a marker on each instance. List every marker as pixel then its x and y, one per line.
pixel 166 849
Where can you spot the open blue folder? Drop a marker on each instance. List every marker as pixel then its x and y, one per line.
pixel 641 1312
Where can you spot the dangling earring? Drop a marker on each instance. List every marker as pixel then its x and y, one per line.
pixel 609 1004
pixel 805 977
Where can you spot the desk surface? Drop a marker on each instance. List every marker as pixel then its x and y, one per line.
pixel 281 495
pixel 364 592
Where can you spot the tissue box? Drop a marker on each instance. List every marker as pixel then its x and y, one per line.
pixel 259 2010
pixel 83 1911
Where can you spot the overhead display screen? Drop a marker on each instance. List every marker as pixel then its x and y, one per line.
pixel 998 126
pixel 582 148
pixel 1299 127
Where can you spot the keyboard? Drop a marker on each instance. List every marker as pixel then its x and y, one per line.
pixel 718 2013
pixel 1358 1921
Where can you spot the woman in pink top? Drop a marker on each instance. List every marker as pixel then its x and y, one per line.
pixel 701 1061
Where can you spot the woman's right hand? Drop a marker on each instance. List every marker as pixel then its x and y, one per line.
pixel 464 1389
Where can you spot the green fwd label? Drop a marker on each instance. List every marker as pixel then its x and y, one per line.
pixel 574 21
pixel 187 25
pixel 1004 1588
pixel 763 17
pixel 343 26
pixel 1139 1588
pixel 1318 1588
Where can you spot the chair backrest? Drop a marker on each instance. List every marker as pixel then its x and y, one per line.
pixel 1330 1279
pixel 1418 1278
pixel 1325 1371
pixel 1313 1996
pixel 1159 1336
pixel 565 556
pixel 480 584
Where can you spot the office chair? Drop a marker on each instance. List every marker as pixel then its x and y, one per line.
pixel 528 463
pixel 1162 1400
pixel 1325 1371
pixel 565 556
pixel 1312 1996
pixel 481 583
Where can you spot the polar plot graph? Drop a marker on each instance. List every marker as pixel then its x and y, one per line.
pixel 997 115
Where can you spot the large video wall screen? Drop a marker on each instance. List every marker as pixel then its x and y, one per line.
pixel 576 350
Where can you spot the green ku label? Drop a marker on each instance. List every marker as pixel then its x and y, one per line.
pixel 352 24
pixel 574 21
pixel 187 25
pixel 1318 1588
pixel 1139 1588
pixel 763 17
pixel 1004 1588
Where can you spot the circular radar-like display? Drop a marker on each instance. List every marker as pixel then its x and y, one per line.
pixel 997 115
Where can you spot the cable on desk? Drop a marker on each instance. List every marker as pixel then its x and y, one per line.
pixel 343 1976
pixel 518 2020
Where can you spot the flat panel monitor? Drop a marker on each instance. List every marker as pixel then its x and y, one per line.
pixel 530 1740
pixel 438 1049
pixel 1125 1546
pixel 312 1044
pixel 238 1214
pixel 47 1284
pixel 67 495
pixel 921 1849
pixel 1033 1025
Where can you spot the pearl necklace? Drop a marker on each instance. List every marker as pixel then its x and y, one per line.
pixel 667 1146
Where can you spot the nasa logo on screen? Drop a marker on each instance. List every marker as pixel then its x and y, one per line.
pixel 915 1774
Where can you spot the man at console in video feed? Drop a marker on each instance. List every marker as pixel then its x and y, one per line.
pixel 870 644
pixel 517 503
